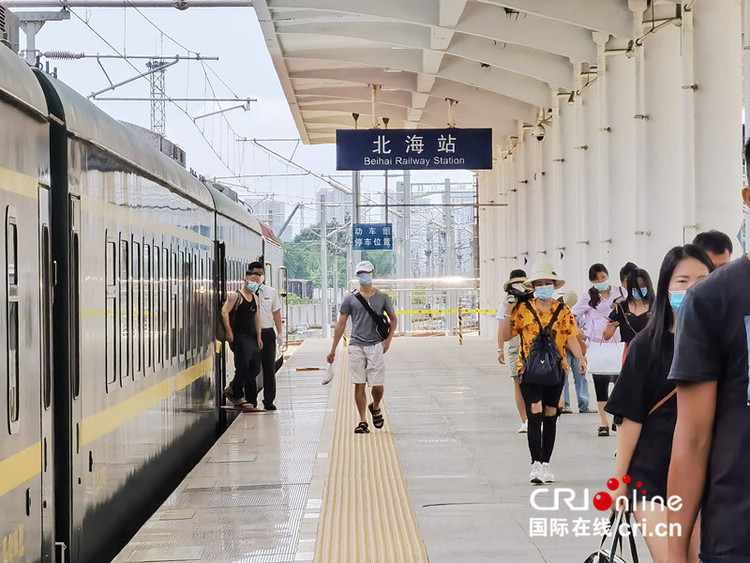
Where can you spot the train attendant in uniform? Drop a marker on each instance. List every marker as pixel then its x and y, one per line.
pixel 270 317
pixel 366 347
pixel 644 397
pixel 593 314
pixel 244 337
pixel 542 400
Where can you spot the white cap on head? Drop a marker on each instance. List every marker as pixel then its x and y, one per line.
pixel 364 267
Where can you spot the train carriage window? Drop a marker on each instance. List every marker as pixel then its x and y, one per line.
pixel 47 316
pixel 124 311
pixel 11 268
pixel 147 311
pixel 185 292
pixel 173 310
pixel 268 276
pixel 111 320
pixel 157 311
pixel 136 309
pixel 164 297
pixel 75 292
pixel 202 295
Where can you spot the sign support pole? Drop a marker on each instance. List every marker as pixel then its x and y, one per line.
pixel 324 266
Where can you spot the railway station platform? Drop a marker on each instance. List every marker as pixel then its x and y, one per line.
pixel 446 479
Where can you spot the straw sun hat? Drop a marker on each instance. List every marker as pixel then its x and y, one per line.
pixel 516 276
pixel 543 271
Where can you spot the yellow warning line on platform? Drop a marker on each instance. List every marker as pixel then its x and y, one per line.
pixel 366 514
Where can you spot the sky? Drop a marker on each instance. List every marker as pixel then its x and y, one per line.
pixel 244 69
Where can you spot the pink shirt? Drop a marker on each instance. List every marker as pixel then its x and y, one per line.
pixel 593 320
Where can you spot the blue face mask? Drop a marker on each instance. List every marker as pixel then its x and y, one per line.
pixel 601 286
pixel 365 279
pixel 544 292
pixel 676 298
pixel 252 286
pixel 639 293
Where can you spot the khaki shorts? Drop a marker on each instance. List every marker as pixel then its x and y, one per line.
pixel 366 364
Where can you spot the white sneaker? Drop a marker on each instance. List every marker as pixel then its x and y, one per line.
pixel 547 475
pixel 536 475
pixel 524 428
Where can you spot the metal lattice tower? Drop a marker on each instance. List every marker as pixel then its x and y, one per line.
pixel 158 96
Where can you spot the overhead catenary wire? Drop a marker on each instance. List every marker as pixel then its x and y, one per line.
pixel 99 35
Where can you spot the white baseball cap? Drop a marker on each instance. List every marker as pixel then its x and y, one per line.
pixel 364 267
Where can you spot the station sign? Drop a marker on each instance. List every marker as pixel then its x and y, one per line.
pixel 372 236
pixel 414 149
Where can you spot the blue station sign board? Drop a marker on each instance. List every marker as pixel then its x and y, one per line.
pixel 372 236
pixel 418 149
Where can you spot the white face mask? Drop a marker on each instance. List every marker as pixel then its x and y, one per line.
pixel 518 287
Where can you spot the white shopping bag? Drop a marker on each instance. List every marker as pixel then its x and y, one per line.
pixel 605 358
pixel 328 377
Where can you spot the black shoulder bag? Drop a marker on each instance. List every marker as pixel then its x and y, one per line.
pixel 382 322
pixel 543 365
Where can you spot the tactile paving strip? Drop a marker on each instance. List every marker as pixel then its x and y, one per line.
pixel 367 515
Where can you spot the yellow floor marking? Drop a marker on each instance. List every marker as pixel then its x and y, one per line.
pixel 367 515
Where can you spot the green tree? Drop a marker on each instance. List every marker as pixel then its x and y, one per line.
pixel 302 255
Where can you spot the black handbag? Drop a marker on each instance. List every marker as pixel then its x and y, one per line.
pixel 614 554
pixel 382 322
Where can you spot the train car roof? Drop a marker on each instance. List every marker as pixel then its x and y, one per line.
pixel 18 84
pixel 89 123
pixel 232 210
pixel 269 235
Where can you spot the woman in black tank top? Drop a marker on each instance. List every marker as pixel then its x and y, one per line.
pixel 246 345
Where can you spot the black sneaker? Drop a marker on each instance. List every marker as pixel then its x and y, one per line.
pixel 269 406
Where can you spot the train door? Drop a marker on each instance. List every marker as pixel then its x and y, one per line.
pixel 221 294
pixel 283 288
pixel 45 332
pixel 74 369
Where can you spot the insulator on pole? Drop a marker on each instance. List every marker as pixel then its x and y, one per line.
pixel 63 55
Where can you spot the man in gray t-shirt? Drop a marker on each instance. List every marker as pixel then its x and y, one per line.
pixel 366 347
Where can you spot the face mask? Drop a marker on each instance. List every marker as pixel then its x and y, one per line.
pixel 601 286
pixel 518 287
pixel 676 298
pixel 544 292
pixel 365 279
pixel 639 293
pixel 252 286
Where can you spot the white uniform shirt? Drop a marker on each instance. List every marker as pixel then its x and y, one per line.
pixel 269 304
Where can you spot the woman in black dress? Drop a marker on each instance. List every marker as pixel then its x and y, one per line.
pixel 644 397
pixel 632 314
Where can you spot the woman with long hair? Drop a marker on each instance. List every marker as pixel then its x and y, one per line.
pixel 644 397
pixel 593 313
pixel 631 315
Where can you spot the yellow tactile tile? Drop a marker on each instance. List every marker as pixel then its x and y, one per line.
pixel 366 516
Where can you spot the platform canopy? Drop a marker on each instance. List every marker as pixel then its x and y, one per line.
pixel 499 59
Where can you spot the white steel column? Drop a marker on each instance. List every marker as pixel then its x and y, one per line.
pixel 582 226
pixel 689 220
pixel 664 153
pixel 622 180
pixel 718 115
pixel 639 140
pixel 605 212
pixel 555 183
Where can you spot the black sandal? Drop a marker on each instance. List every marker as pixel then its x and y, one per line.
pixel 362 428
pixel 603 431
pixel 377 417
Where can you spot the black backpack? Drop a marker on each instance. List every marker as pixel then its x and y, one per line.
pixel 543 365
